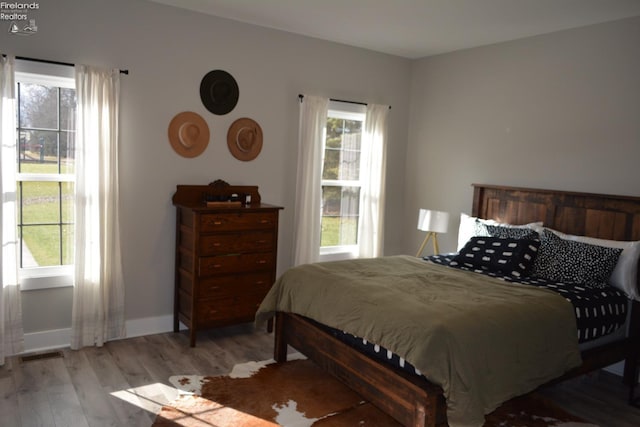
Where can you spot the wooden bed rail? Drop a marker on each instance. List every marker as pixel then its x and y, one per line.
pixel 411 400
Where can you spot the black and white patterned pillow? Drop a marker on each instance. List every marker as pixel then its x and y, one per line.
pixel 509 256
pixel 574 262
pixel 511 232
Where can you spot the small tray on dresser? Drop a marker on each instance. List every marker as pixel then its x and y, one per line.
pixel 227 204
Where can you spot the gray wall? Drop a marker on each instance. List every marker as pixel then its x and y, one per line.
pixel 558 111
pixel 168 51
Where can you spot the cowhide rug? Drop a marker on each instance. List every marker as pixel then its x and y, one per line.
pixel 299 394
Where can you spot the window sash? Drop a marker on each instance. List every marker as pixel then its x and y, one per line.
pixel 353 112
pixel 47 177
pixel 342 182
pixel 43 277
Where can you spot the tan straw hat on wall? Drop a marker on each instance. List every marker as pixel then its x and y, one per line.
pixel 244 139
pixel 188 134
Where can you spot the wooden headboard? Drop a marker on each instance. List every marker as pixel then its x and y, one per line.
pixel 602 216
pixel 595 215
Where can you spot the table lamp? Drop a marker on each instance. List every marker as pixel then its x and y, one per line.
pixel 433 222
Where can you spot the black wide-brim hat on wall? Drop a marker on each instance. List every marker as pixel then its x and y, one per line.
pixel 219 92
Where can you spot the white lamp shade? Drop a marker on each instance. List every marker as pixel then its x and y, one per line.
pixel 435 221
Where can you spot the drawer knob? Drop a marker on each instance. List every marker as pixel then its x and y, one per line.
pixel 262 261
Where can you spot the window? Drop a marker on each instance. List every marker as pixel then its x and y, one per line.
pixel 45 178
pixel 340 195
pixel 341 179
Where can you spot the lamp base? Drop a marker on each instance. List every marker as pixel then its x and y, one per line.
pixel 426 239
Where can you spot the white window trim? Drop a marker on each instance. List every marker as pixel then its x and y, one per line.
pixel 35 278
pixel 347 111
pixel 40 70
pixel 337 253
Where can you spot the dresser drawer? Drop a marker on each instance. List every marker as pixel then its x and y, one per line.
pixel 212 311
pixel 249 241
pixel 235 285
pixel 238 221
pixel 225 264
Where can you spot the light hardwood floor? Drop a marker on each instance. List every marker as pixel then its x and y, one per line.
pixel 125 383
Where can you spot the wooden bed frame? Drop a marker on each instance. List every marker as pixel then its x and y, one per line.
pixel 414 401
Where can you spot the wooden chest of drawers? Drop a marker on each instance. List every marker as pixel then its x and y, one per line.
pixel 225 262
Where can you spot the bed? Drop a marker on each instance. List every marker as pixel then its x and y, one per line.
pixel 415 401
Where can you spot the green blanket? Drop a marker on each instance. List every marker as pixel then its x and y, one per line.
pixel 481 339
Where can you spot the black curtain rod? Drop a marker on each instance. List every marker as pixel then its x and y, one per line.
pixel 301 96
pixel 46 61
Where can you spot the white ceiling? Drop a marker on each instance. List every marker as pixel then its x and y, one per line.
pixel 416 28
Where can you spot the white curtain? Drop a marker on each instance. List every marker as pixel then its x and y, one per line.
pixel 313 123
pixel 372 173
pixel 11 333
pixel 98 295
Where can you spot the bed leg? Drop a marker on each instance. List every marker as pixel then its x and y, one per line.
pixel 280 343
pixel 631 371
pixel 420 416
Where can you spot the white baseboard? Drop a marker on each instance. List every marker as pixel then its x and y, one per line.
pixel 150 326
pixel 47 340
pixel 61 338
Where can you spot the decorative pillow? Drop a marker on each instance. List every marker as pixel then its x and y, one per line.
pixel 574 262
pixel 471 226
pixel 509 256
pixel 625 274
pixel 511 232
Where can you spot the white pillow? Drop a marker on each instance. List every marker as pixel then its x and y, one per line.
pixel 467 228
pixel 625 274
